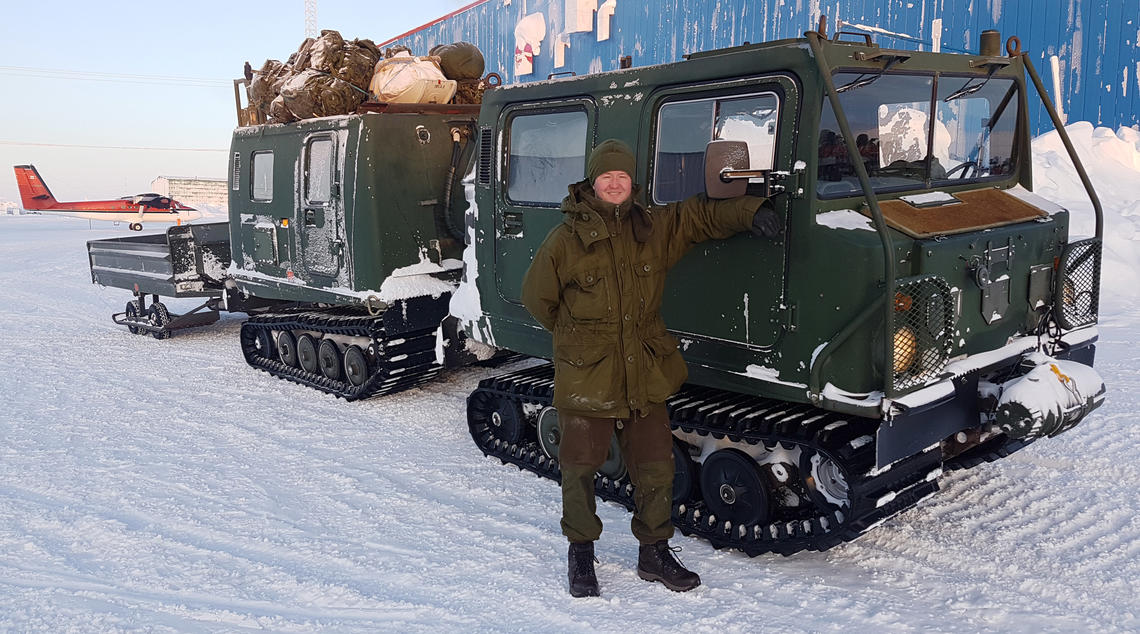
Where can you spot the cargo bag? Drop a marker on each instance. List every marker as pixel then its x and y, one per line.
pixel 313 93
pixel 406 79
pixel 459 61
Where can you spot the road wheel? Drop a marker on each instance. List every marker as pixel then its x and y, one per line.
pixel 825 481
pixel 287 349
pixel 685 484
pixel 549 433
pixel 733 487
pixel 265 346
pixel 507 423
pixel 355 366
pixel 307 353
pixel 328 358
pixel 614 467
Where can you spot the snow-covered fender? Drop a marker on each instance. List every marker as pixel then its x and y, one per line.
pixel 1051 398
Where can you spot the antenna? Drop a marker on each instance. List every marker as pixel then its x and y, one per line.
pixel 311 19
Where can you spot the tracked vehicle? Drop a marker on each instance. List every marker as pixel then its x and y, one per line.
pixel 356 223
pixel 343 245
pixel 923 310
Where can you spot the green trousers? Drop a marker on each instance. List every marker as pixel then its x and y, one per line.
pixel 647 450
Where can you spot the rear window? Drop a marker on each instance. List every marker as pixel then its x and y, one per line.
pixel 318 171
pixel 261 176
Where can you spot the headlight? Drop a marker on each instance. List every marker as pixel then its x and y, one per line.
pixel 906 349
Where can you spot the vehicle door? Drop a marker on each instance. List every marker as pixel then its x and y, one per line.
pixel 544 148
pixel 724 290
pixel 320 211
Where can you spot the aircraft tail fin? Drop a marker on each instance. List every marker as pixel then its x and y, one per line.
pixel 34 193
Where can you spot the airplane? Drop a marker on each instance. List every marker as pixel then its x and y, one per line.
pixel 36 196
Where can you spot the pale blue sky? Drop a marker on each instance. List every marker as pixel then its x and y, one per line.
pixel 208 45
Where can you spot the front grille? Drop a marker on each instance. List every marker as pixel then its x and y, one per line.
pixel 1078 284
pixel 921 331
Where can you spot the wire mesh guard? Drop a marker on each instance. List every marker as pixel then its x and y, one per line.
pixel 1078 284
pixel 921 332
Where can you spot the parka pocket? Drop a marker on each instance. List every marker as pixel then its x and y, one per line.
pixel 665 369
pixel 650 284
pixel 585 378
pixel 587 296
pixel 662 346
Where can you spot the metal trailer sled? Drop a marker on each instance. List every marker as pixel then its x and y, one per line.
pixel 185 261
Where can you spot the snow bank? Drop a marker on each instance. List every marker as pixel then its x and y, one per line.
pixel 1112 161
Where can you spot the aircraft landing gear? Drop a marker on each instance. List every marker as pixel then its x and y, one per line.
pixel 136 226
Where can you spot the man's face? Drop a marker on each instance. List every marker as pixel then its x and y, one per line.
pixel 613 187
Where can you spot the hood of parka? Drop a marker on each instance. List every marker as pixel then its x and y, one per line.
pixel 585 213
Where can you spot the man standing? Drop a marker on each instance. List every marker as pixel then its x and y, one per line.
pixel 596 284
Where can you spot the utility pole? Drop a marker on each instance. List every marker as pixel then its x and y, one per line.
pixel 311 19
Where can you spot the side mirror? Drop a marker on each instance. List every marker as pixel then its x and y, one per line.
pixel 721 156
pixel 727 174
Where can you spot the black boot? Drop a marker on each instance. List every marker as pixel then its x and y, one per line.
pixel 583 582
pixel 655 562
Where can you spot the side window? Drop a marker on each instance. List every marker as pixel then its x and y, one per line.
pixel 684 128
pixel 547 153
pixel 261 177
pixel 318 171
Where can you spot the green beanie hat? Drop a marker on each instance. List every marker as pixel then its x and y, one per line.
pixel 610 155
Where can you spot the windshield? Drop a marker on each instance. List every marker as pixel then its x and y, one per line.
pixel 974 122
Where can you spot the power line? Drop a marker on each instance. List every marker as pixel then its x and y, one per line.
pixel 113 147
pixel 130 78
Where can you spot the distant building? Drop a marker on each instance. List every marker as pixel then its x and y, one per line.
pixel 193 191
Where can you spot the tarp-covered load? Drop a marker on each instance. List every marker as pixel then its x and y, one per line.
pixel 329 76
pixel 266 85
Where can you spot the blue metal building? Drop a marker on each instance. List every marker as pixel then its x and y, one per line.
pixel 1086 51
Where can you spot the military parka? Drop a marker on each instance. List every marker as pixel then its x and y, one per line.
pixel 596 284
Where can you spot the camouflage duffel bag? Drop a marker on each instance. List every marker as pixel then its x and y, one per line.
pixel 266 83
pixel 312 93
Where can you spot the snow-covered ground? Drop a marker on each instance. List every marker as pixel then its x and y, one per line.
pixel 166 486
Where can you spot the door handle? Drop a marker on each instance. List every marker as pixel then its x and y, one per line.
pixel 512 222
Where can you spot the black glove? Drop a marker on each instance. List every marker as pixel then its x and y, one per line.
pixel 766 224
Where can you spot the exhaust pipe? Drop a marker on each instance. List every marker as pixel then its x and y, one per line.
pixel 990 43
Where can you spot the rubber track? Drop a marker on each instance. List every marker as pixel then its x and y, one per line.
pixel 993 449
pixel 848 441
pixel 399 362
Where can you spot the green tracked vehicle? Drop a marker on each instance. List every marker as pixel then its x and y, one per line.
pixel 354 224
pixel 923 310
